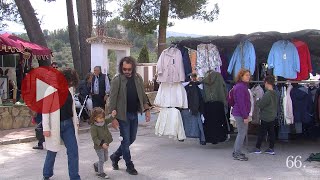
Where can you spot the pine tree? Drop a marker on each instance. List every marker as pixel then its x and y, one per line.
pixel 143 55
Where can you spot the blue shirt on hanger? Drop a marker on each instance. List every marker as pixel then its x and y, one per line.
pixel 284 59
pixel 244 56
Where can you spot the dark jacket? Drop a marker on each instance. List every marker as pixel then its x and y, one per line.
pixel 186 62
pixel 302 104
pixel 101 134
pixel 242 104
pixel 118 95
pixel 268 105
pixel 317 106
pixel 195 101
pixel 102 84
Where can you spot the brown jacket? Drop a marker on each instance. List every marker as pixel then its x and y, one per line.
pixel 118 95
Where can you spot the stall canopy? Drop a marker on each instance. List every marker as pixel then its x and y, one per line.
pixel 10 44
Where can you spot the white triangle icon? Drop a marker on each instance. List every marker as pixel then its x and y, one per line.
pixel 43 89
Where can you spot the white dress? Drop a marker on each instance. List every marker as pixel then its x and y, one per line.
pixel 171 95
pixel 169 123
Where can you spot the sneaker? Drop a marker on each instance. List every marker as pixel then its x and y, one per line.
pixel 234 154
pixel 132 171
pixel 103 176
pixel 95 167
pixel 37 147
pixel 240 157
pixel 115 161
pixel 256 151
pixel 270 151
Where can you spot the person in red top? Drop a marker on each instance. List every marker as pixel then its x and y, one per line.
pixel 305 60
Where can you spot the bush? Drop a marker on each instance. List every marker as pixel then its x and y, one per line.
pixel 144 55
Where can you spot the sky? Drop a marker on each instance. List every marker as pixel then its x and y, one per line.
pixel 236 16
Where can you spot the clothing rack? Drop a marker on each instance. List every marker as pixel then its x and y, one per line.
pixel 289 82
pixel 284 82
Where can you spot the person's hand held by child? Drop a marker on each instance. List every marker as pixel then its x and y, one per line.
pixel 105 146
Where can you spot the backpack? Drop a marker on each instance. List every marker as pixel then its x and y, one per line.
pixel 230 98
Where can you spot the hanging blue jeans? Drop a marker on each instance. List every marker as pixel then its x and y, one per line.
pixel 128 131
pixel 67 134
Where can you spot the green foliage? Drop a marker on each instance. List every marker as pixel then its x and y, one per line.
pixel 8 12
pixel 143 16
pixel 144 55
pixel 58 45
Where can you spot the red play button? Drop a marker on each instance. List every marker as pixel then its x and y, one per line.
pixel 44 90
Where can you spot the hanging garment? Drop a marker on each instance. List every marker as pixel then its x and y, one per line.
pixel 284 59
pixel 288 116
pixel 214 88
pixel 193 59
pixel 257 93
pixel 195 101
pixel 244 56
pixel 171 95
pixel 317 106
pixel 208 58
pixel 169 123
pixel 186 62
pixel 302 105
pixel 192 124
pixel 305 60
pixel 284 104
pixel 170 66
pixel 224 67
pixel 215 124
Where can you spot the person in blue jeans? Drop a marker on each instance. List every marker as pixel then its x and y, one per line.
pixel 39 132
pixel 62 125
pixel 127 98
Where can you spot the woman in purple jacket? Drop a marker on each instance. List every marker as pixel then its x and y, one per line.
pixel 241 110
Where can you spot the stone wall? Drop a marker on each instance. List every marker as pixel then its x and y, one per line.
pixel 14 117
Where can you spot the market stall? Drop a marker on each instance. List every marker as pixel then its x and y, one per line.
pixel 16 57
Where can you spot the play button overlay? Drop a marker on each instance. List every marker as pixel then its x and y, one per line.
pixel 44 90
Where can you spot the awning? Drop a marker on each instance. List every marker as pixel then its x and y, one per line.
pixel 10 44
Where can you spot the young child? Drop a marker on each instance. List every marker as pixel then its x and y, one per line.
pixel 101 137
pixel 268 111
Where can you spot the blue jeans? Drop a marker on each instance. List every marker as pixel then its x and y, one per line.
pixel 128 131
pixel 67 134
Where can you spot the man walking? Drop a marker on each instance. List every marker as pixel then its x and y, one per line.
pixel 100 87
pixel 127 97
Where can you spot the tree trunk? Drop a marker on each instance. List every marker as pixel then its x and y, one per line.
pixel 163 22
pixel 32 26
pixel 89 7
pixel 74 43
pixel 84 33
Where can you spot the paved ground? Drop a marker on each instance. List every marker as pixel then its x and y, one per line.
pixel 164 158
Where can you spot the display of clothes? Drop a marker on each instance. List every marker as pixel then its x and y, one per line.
pixel 169 123
pixel 215 124
pixel 244 56
pixel 214 87
pixel 302 104
pixel 191 117
pixel 171 95
pixel 208 58
pixel 186 62
pixel 193 126
pixel 284 59
pixel 257 93
pixel 170 67
pixel 305 60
